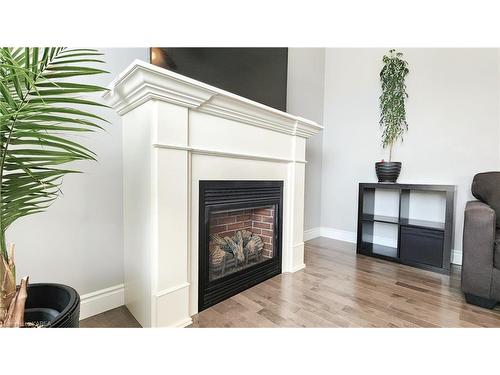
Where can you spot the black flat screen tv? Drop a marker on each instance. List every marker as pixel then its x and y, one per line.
pixel 258 74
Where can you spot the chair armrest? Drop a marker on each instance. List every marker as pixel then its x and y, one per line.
pixel 478 243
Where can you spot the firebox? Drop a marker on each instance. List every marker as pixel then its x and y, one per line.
pixel 240 237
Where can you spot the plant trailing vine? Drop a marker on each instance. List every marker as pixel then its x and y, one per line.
pixel 392 100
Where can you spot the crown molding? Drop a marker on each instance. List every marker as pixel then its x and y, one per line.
pixel 142 82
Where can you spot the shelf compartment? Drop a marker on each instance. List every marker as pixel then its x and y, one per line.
pixel 424 209
pixel 388 251
pixel 422 224
pixel 381 202
pixel 380 238
pixel 424 246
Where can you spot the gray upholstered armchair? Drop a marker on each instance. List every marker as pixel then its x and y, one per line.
pixel 481 243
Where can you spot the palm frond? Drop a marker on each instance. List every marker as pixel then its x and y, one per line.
pixel 39 108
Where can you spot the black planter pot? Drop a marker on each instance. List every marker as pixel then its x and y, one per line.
pixel 53 305
pixel 388 172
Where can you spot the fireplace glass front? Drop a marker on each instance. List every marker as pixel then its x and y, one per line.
pixel 240 239
pixel 240 236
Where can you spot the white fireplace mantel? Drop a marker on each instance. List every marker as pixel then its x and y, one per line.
pixel 176 132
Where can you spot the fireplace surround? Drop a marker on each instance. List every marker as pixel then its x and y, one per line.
pixel 179 137
pixel 239 237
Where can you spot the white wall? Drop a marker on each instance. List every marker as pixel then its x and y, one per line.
pixel 453 116
pixel 306 67
pixel 79 240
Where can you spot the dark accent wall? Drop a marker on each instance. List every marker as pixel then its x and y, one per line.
pixel 258 74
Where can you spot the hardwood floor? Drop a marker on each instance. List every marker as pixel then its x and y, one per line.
pixel 341 289
pixel 116 318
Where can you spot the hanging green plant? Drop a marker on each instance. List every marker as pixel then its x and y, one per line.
pixel 393 98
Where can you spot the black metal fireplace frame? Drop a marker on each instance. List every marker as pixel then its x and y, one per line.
pixel 240 194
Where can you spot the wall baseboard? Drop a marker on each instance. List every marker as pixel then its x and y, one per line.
pixel 456 257
pixel 348 236
pixel 338 234
pixel 184 323
pixel 101 300
pixel 312 233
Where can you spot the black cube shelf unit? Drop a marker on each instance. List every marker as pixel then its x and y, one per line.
pixel 420 243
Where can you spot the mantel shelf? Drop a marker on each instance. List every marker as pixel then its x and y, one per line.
pixel 142 82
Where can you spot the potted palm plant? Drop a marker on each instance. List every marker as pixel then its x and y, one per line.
pixel 41 109
pixel 392 112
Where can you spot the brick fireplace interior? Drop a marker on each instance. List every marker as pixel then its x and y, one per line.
pixel 247 231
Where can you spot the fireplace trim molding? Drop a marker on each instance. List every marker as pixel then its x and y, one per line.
pixel 175 132
pixel 203 151
pixel 142 82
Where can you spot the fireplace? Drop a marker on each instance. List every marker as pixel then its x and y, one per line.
pixel 198 163
pixel 240 237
